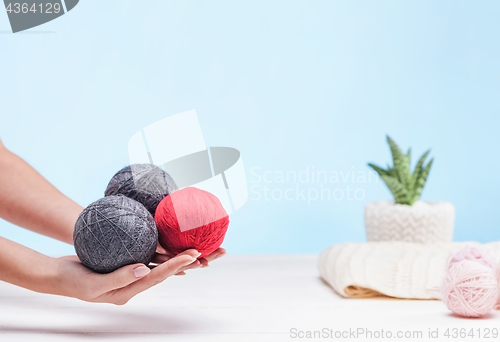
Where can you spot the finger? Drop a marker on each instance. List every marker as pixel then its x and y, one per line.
pixel 173 265
pixel 204 262
pixel 159 258
pixel 195 264
pixel 122 277
pixel 216 255
pixel 180 273
pixel 160 273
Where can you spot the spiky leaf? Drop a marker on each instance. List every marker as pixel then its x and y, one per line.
pixel 422 178
pixel 392 172
pixel 401 163
pixel 396 152
pixel 378 169
pixel 419 168
pixel 405 186
pixel 401 195
pixel 404 171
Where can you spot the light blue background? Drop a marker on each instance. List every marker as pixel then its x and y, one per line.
pixel 291 84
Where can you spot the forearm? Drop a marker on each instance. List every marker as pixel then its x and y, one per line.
pixel 66 276
pixel 24 267
pixel 30 201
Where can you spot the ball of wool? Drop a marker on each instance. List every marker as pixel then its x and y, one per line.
pixel 474 254
pixel 191 218
pixel 113 232
pixel 470 288
pixel 145 183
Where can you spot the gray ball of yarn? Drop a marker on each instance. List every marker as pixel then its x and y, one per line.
pixel 145 183
pixel 113 232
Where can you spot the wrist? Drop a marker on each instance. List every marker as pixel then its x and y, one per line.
pixel 27 268
pixel 49 276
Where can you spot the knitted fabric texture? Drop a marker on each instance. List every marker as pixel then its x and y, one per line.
pixel 425 222
pixel 145 183
pixel 395 269
pixel 113 232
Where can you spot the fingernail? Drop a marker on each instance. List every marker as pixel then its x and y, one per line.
pixel 193 260
pixel 141 271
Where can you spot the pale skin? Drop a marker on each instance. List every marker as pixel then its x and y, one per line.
pixel 30 201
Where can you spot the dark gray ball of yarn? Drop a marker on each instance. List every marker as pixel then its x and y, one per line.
pixel 145 183
pixel 113 232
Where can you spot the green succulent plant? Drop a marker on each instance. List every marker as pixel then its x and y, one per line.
pixel 405 186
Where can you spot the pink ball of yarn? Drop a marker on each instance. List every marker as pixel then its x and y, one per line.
pixel 473 254
pixel 470 288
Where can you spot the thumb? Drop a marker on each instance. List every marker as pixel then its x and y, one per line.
pixel 124 276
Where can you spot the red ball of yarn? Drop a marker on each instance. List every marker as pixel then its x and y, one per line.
pixel 191 218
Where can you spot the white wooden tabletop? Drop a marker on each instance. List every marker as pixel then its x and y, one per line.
pixel 237 298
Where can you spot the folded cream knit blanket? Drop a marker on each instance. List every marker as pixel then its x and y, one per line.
pixel 396 269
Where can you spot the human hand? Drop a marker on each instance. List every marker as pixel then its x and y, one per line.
pixel 72 279
pixel 162 256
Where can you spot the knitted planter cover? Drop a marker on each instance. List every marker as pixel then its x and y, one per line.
pixel 423 222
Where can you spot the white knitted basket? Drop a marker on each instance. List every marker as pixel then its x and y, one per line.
pixel 423 222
